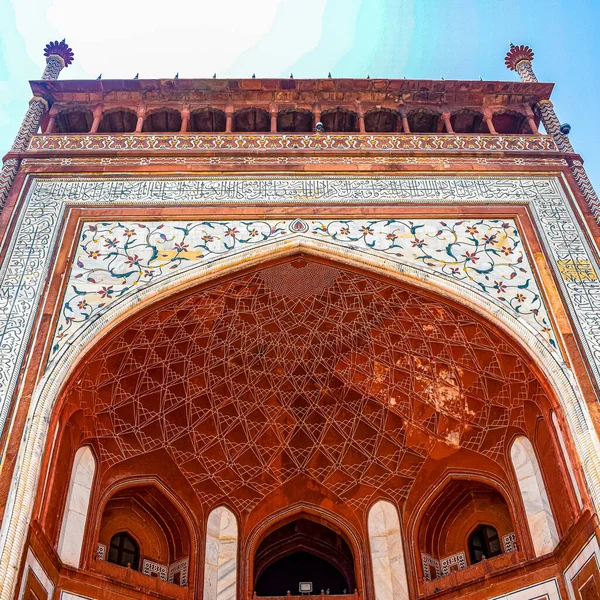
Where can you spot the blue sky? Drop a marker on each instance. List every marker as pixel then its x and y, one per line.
pixel 429 39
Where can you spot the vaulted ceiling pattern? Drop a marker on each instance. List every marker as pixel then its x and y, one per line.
pixel 303 369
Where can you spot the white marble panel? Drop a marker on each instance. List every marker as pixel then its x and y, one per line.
pixel 535 499
pixel 387 553
pixel 64 595
pixel 220 561
pixel 76 508
pixel 545 590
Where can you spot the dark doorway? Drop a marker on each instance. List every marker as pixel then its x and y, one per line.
pixel 287 573
pixel 484 543
pixel 303 551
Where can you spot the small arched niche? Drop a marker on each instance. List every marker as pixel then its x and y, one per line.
pixel 207 120
pixel 74 120
pixel 423 120
pixel 339 120
pixel 387 553
pixel 141 528
pixel 294 121
pixel 542 526
pixel 382 120
pixel 458 510
pixel 303 550
pixel 251 119
pixel 220 558
pixel 76 508
pixel 510 122
pixel 162 120
pixel 120 120
pixel 468 121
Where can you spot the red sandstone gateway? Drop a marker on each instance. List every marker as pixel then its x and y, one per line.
pixel 273 338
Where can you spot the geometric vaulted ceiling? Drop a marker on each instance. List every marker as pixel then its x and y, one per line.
pixel 303 369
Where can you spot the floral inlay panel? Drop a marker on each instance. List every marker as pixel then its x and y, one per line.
pixel 116 258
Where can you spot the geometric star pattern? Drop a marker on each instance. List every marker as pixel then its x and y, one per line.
pixel 303 368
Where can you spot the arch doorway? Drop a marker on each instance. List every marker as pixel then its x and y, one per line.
pixel 303 551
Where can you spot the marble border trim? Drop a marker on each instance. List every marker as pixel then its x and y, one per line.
pixel 66 595
pixel 33 564
pixel 253 160
pixel 545 590
pixel 589 551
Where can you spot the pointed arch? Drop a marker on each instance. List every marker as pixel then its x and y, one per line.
pixel 535 499
pixel 387 552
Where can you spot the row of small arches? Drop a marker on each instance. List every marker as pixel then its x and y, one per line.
pixel 252 119
pixel 384 529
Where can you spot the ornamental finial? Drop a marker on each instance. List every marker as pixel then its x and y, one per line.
pixel 59 49
pixel 516 54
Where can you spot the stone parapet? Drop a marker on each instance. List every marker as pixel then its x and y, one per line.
pixel 176 142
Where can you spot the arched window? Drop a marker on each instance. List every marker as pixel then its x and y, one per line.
pixel 124 551
pixel 484 542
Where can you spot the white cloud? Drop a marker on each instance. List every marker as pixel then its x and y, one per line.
pixel 156 37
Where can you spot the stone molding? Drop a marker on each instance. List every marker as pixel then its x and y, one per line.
pixel 30 252
pixel 332 142
pixel 545 590
pixel 255 160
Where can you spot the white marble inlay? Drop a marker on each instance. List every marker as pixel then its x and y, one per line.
pixel 180 566
pixel 545 590
pixel 535 499
pixel 387 554
pixel 149 567
pixel 220 561
pixel 76 507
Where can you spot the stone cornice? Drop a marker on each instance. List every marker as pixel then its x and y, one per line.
pixel 334 91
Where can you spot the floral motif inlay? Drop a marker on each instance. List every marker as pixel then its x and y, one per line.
pixel 116 258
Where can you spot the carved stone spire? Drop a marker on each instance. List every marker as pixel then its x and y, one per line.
pixel 518 59
pixel 58 56
pixel 60 49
